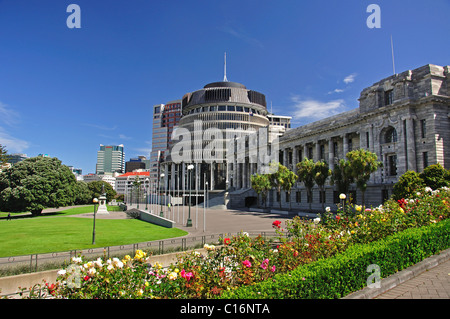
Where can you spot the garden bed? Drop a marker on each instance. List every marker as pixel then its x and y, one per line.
pixel 320 258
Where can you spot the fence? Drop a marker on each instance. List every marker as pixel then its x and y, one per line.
pixel 54 260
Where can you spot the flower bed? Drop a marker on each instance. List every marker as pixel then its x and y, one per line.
pixel 330 245
pixel 347 272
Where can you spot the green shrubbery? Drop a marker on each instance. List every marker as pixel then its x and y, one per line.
pixel 410 183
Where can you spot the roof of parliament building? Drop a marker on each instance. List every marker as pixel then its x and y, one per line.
pixel 224 92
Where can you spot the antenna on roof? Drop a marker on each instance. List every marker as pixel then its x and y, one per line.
pixel 225 69
pixel 392 49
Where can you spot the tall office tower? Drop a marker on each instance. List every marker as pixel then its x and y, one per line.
pixel 110 159
pixel 165 118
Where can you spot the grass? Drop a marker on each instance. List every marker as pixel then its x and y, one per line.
pixel 58 232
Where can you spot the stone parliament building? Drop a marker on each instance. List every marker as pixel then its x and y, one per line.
pixel 404 119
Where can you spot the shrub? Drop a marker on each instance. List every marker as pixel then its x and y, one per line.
pixel 408 185
pixel 435 176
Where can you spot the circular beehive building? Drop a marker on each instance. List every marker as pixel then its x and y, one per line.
pixel 214 115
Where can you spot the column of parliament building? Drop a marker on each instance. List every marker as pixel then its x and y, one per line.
pixel 404 119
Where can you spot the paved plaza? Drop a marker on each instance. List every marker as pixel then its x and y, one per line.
pixel 431 284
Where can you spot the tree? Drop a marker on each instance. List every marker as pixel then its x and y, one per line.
pixel 435 176
pixel 321 172
pixel 82 193
pixel 408 185
pixel 4 157
pixel 305 173
pixel 36 183
pixel 96 189
pixel 362 164
pixel 261 185
pixel 288 179
pixel 275 179
pixel 342 177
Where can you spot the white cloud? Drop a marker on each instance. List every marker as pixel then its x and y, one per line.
pixel 242 35
pixel 315 110
pixel 100 127
pixel 124 137
pixel 336 91
pixel 7 115
pixel 12 144
pixel 350 78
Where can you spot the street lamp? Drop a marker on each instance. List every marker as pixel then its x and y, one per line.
pixel 146 185
pixel 205 203
pixel 189 221
pixel 95 201
pixel 160 197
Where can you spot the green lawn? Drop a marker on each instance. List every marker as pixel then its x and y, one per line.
pixel 59 233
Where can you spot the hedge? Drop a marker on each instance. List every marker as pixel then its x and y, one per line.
pixel 345 273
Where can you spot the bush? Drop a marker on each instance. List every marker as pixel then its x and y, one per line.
pixel 347 272
pixel 435 176
pixel 408 185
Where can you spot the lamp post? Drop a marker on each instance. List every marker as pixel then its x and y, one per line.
pixel 205 203
pixel 160 197
pixel 95 201
pixel 189 220
pixel 146 185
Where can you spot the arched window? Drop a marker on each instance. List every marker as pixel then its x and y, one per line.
pixel 390 135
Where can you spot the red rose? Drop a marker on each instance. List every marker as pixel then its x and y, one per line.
pixel 227 241
pixel 276 224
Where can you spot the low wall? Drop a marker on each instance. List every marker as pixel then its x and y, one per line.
pixel 157 220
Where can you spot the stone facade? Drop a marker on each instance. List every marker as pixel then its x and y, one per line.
pixel 404 119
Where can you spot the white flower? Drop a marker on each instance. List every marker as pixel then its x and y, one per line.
pixel 110 267
pixel 62 272
pixel 316 220
pixel 92 272
pixel 428 189
pixel 117 263
pixel 98 263
pixel 245 234
pixel 209 247
pixel 342 196
pixel 76 260
pixel 328 209
pixel 173 276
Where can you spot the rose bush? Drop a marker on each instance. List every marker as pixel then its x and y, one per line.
pixel 242 260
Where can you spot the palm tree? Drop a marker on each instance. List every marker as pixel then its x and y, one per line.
pixel 305 173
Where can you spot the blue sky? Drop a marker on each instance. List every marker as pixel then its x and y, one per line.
pixel 65 91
